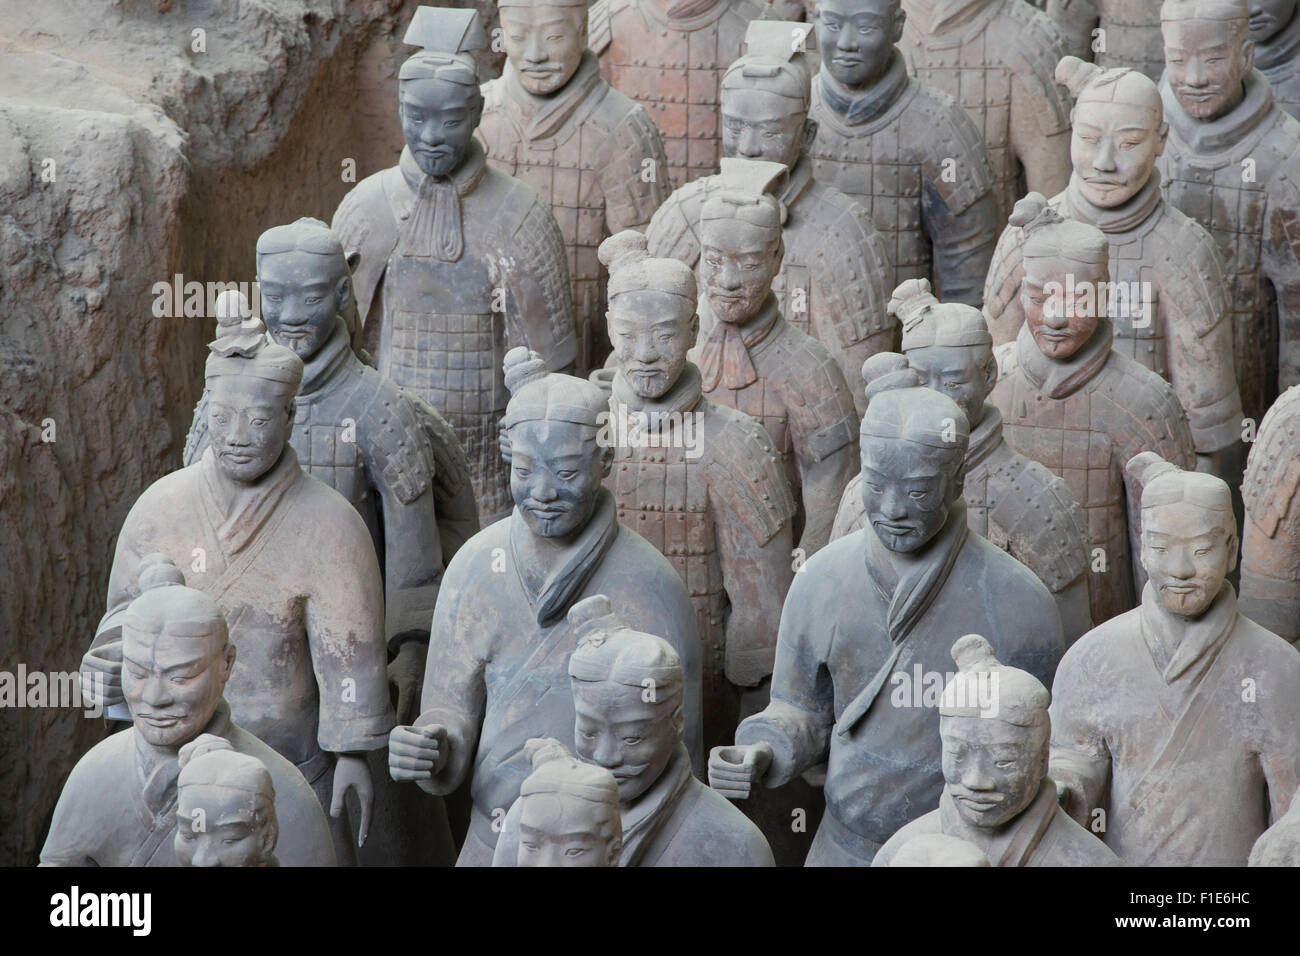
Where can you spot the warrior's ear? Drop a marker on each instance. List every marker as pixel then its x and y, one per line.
pixel 809 133
pixel 354 260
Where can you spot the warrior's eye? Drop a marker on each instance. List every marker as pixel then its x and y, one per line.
pixel 574 852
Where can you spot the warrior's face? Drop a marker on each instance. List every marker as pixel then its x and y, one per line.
pixel 544 44
pixel 302 297
pixel 1114 149
pixel 908 490
pixel 1060 313
pixel 556 469
pixel 737 264
pixel 651 333
pixel 1206 63
pixel 217 826
pixel 560 829
pixel 1269 16
pixel 965 373
pixel 618 730
pixel 856 38
pixel 172 684
pixel 993 769
pixel 759 124
pixel 249 421
pixel 438 120
pixel 1187 552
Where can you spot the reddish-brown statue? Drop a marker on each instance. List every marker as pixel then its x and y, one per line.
pixel 1112 33
pixel 1275 28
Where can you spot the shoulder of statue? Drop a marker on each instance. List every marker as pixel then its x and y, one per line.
pixel 815 391
pixel 1272 479
pixel 1190 272
pixel 741 466
pixel 599 25
pixel 1034 47
pixel 946 134
pixel 672 232
pixel 1056 549
pixel 1149 408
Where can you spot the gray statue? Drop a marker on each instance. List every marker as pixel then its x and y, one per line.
pixel 225 807
pixel 567 813
pixel 1275 30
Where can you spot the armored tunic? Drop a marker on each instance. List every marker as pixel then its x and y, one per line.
pixel 671 62
pixel 918 163
pixel 596 157
pixel 1278 58
pixel 1131 32
pixel 1084 418
pixel 837 274
pixel 1021 507
pixel 440 327
pixel 1270 547
pixel 1168 301
pixel 998 59
pixel 1239 177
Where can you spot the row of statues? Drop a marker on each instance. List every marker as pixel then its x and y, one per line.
pixel 674 411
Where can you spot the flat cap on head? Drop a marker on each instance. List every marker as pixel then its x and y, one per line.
pixel 449 36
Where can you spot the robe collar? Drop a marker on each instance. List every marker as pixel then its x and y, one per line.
pixel 1057 378
pixel 1177 644
pixel 158 768
pixel 922 575
pixel 1013 843
pixel 1216 136
pixel 541 117
pixel 554 585
pixel 724 357
pixel 1121 219
pixel 1281 49
pixel 947 15
pixel 856 107
pixel 797 181
pixel 321 368
pixel 434 228
pixel 645 818
pixel 985 439
pixel 685 394
pixel 238 513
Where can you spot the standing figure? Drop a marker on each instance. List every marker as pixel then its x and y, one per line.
pixel 1168 295
pixel 497 671
pixel 592 153
pixel 1177 720
pixel 669 56
pixel 1275 29
pixel 906 151
pixel 1012 501
pixel 225 807
pixel 998 59
pixel 836 273
pixel 870 616
pixel 1232 163
pixel 1071 402
pixel 1270 550
pixel 1112 33
pixel 459 262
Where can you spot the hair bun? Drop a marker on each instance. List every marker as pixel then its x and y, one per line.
pixel 522 366
pixel 543 750
pixel 1145 467
pixel 1034 212
pixel 201 745
pixel 623 249
pixel 1074 74
pixel 974 653
pixel 911 298
pixel 157 570
pixel 886 371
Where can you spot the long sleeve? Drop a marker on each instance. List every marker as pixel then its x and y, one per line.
pixel 962 244
pixel 1040 138
pixel 1002 308
pixel 633 173
pixel 1282 266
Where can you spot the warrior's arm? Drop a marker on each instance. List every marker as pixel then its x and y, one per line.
pixel 412 557
pixel 1002 308
pixel 539 305
pixel 1282 266
pixel 826 447
pixel 1076 19
pixel 1080 760
pixel 633 173
pixel 1270 567
pixel 1279 758
pixel 962 243
pixel 1044 154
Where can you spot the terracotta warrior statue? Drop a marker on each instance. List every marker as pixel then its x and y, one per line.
pixel 1114 34
pixel 174 659
pixel 937 849
pixel 594 154
pixel 1174 725
pixel 627 693
pixel 835 277
pixel 850 685
pixel 1083 409
pixel 291 565
pixel 1270 550
pixel 458 261
pixel 567 813
pixel 1280 844
pixel 1232 163
pixel 997 58
pixel 497 671
pixel 903 149
pixel 225 807
pixel 702 481
pixel 669 56
pixel 1012 501
pixel 997 795
pixel 1168 297
pixel 1275 30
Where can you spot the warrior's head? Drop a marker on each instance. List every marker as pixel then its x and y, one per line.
pixel 1208 54
pixel 766 94
pixel 856 38
pixel 225 806
pixel 556 463
pixel 914 443
pixel 652 316
pixel 627 693
pixel 568 810
pixel 948 345
pixel 176 656
pixel 544 41
pixel 306 285
pixel 439 102
pixel 1119 130
pixel 1189 533
pixel 251 385
pixel 1268 17
pixel 996 731
pixel 740 239
pixel 1067 277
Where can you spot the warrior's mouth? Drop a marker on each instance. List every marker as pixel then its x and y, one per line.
pixel 159 720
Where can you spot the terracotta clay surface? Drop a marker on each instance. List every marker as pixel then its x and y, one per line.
pixel 592 153
pixel 1270 547
pixel 1071 402
pixel 997 59
pixel 1275 28
pixel 458 261
pixel 568 809
pixel 1131 36
pixel 1176 721
pixel 236 793
pixel 1280 844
